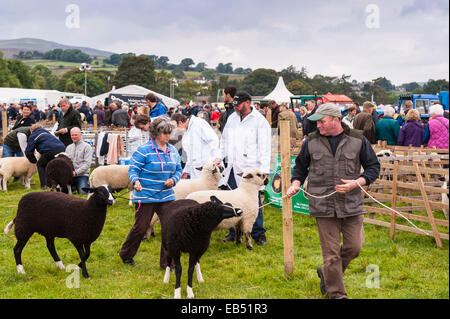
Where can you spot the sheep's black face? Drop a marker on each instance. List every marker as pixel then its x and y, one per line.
pixel 104 192
pixel 227 210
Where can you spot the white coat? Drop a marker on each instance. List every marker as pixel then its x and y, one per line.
pixel 246 144
pixel 200 145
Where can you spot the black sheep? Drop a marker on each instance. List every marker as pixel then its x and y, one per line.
pixel 186 226
pixel 59 171
pixel 61 215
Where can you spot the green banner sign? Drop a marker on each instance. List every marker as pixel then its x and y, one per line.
pixel 273 190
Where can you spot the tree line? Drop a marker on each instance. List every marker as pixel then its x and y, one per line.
pixel 141 70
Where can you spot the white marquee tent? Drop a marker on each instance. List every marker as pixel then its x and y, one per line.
pixel 137 91
pixel 42 98
pixel 280 93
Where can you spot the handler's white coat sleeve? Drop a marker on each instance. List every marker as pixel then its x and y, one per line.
pixel 264 146
pixel 22 138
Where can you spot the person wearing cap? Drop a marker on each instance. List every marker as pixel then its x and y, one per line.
pixel 332 158
pixel 245 143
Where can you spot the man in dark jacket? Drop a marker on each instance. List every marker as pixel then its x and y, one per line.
pixel 228 96
pixel 68 119
pixel 275 111
pixel 307 125
pixel 47 145
pixel 331 158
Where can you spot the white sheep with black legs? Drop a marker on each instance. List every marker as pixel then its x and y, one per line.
pixel 244 197
pixel 209 179
pixel 187 227
pixel 60 215
pixel 115 176
pixel 59 172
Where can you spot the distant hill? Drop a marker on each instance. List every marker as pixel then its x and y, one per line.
pixel 14 46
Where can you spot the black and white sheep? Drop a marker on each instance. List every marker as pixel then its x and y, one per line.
pixel 61 215
pixel 59 172
pixel 245 197
pixel 187 227
pixel 209 179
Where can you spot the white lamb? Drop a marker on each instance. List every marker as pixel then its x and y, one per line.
pixel 17 167
pixel 208 180
pixel 115 176
pixel 244 197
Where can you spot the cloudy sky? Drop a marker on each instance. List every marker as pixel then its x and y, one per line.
pixel 404 40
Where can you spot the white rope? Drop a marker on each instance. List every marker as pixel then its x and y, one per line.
pixel 324 196
pixel 393 210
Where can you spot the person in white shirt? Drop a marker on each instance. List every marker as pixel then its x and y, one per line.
pixel 348 119
pixel 200 144
pixel 245 143
pixel 138 134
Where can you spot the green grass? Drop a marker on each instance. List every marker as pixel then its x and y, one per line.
pixel 411 266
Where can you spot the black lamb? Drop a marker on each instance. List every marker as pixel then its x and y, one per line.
pixel 186 226
pixel 59 171
pixel 61 215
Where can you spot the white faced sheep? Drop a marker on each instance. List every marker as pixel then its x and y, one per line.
pixel 187 227
pixel 59 171
pixel 17 167
pixel 61 215
pixel 115 176
pixel 208 180
pixel 245 197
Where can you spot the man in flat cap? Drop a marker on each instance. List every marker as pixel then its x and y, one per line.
pixel 331 158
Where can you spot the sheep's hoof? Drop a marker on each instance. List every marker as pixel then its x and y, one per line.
pixel 177 294
pixel 190 292
pixel 60 265
pixel 167 275
pixel 250 247
pixel 20 269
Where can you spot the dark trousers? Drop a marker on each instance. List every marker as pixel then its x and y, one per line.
pixel 258 228
pixel 337 257
pixel 42 164
pixel 142 217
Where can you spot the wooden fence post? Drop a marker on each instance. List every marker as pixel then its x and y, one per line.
pixel 4 123
pixel 288 228
pixel 394 199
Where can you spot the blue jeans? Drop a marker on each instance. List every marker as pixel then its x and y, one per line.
pixel 258 227
pixel 78 182
pixel 10 152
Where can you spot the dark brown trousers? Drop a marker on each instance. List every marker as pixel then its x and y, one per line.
pixel 337 257
pixel 142 217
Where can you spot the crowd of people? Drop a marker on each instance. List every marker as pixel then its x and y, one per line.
pixel 335 147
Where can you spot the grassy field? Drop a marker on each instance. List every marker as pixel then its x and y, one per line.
pixel 411 266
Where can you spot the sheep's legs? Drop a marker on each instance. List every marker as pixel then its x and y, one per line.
pixel 18 253
pixel 199 273
pixel 248 241
pixel 52 250
pixel 167 274
pixel 82 264
pixel 178 271
pixel 192 264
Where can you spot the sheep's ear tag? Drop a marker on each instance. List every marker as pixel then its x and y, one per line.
pixel 199 168
pixel 247 176
pixel 214 199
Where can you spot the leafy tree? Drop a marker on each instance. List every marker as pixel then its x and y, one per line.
pixel 299 87
pixel 209 74
pixel 186 64
pixel 7 78
pixel 260 82
pixel 20 70
pixel 135 70
pixel 434 86
pixel 162 62
pixel 162 82
pixel 409 87
pixel 116 59
pixel 200 67
pixel 178 73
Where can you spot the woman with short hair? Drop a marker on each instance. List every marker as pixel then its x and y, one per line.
pixel 412 131
pixel 437 131
pixel 155 168
pixel 25 119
